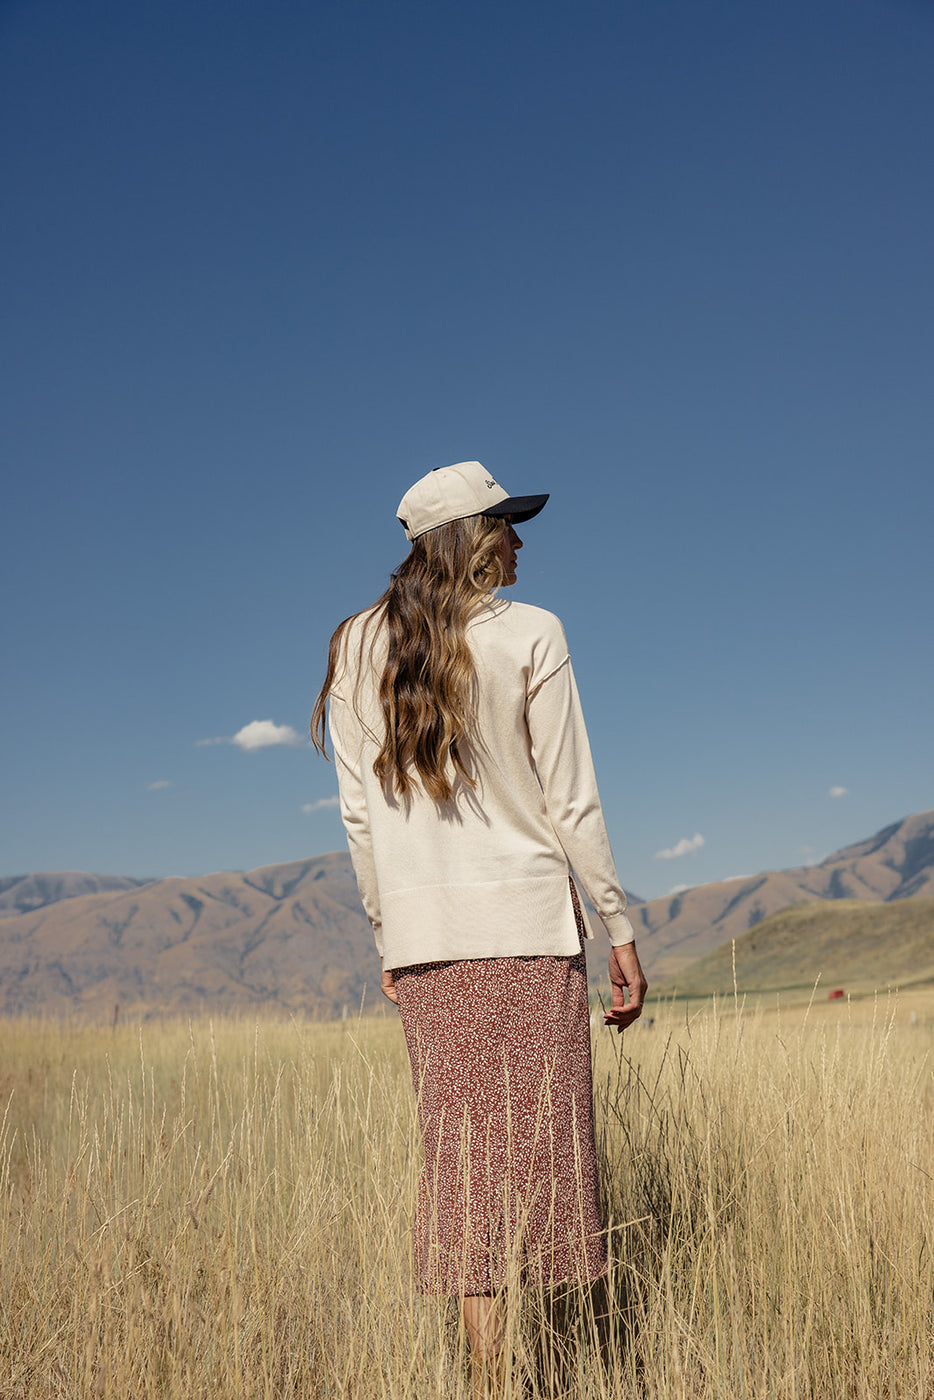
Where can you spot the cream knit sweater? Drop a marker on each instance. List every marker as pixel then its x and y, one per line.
pixel 486 875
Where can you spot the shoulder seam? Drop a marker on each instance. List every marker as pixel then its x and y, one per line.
pixel 553 672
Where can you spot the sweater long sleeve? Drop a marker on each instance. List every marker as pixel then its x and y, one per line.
pixel 563 761
pixel 348 757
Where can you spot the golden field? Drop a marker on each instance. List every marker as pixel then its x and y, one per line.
pixel 224 1210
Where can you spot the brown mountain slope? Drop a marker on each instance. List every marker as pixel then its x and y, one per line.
pixel 294 936
pixel 896 863
pixel 289 936
pixel 21 894
pixel 856 945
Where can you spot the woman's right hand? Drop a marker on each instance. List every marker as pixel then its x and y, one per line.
pixel 388 986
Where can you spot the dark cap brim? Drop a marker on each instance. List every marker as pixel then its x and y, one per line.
pixel 519 507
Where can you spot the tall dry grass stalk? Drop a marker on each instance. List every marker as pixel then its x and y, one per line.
pixel 225 1210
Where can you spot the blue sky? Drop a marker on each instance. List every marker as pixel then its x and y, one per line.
pixel 268 263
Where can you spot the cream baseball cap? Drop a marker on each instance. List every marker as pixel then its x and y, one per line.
pixel 452 493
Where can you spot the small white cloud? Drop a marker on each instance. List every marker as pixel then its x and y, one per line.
pixel 258 734
pixel 678 889
pixel 321 804
pixel 838 792
pixel 685 847
pixel 263 734
pixel 160 783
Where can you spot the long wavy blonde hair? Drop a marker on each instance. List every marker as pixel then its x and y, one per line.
pixel 426 687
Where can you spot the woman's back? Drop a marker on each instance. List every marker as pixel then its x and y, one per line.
pixel 486 873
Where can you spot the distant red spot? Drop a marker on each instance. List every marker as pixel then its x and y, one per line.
pixel 836 995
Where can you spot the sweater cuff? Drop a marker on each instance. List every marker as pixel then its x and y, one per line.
pixel 619 929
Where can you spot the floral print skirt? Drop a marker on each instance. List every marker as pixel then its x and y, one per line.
pixel 500 1054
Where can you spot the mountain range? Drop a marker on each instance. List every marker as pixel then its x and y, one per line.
pixel 896 863
pixel 293 937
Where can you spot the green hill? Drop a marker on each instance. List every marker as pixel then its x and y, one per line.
pixel 852 944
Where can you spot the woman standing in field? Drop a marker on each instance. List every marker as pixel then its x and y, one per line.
pixel 467 792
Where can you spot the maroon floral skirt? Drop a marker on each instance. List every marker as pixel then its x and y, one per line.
pixel 500 1054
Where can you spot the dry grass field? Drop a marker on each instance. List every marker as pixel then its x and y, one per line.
pixel 225 1210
